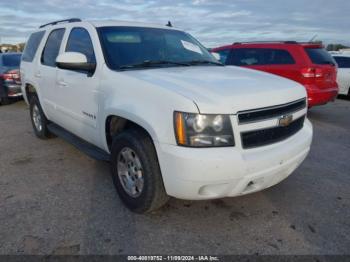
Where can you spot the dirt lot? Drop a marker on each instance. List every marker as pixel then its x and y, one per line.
pixel 56 200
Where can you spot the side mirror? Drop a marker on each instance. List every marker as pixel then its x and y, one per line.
pixel 74 61
pixel 216 55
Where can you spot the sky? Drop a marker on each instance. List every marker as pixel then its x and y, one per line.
pixel 213 22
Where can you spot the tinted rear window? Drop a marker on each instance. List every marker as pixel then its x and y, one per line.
pixel 342 61
pixel 32 45
pixel 260 56
pixel 319 56
pixel 11 60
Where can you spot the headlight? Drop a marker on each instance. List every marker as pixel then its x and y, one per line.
pixel 198 130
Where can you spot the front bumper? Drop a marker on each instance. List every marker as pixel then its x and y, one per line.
pixel 11 90
pixel 208 173
pixel 14 90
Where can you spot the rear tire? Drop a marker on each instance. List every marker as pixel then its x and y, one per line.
pixel 38 118
pixel 136 173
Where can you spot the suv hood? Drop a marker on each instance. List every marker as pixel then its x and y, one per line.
pixel 223 90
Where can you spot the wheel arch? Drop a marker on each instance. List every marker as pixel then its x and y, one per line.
pixel 30 90
pixel 115 123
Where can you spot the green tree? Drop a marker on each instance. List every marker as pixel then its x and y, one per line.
pixel 335 47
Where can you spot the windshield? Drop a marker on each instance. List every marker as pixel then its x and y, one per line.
pixel 11 60
pixel 140 47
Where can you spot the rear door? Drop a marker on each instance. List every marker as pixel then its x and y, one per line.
pixel 272 60
pixel 343 76
pixel 46 73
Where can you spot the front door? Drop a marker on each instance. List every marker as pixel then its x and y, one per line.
pixel 78 90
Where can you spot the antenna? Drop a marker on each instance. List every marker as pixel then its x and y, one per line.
pixel 169 24
pixel 313 38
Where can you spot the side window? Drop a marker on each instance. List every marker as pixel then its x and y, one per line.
pixel 346 63
pixel 79 41
pixel 260 56
pixel 223 55
pixel 343 62
pixel 32 46
pixel 52 47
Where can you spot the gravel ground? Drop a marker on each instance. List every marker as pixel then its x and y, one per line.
pixel 56 200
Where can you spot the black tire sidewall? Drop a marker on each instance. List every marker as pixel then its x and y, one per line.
pixel 43 133
pixel 150 170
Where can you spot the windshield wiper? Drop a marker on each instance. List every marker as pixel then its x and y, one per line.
pixel 202 62
pixel 150 63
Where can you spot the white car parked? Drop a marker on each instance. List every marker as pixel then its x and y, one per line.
pixel 343 76
pixel 171 119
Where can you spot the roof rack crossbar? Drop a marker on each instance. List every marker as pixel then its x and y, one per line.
pixel 284 42
pixel 70 20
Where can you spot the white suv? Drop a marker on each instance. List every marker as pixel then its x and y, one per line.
pixel 343 76
pixel 171 119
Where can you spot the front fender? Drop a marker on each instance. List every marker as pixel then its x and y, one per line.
pixel 149 106
pixel 133 118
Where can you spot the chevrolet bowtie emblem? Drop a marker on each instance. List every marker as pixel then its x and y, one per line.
pixel 285 120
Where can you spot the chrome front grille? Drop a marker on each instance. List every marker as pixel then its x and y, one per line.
pixel 271 135
pixel 261 114
pixel 263 126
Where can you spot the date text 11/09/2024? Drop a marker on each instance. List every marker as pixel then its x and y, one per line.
pixel 173 258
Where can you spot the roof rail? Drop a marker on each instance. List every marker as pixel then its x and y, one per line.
pixel 70 20
pixel 310 43
pixel 252 42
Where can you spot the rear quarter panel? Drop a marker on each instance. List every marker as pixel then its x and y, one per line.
pixel 28 69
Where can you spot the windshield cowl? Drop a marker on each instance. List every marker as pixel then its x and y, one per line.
pixel 158 64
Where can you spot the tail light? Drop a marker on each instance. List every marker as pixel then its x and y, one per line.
pixel 12 75
pixel 311 72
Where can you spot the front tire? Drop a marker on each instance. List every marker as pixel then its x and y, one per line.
pixel 38 118
pixel 136 173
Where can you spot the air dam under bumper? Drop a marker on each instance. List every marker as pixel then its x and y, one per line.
pixel 208 173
